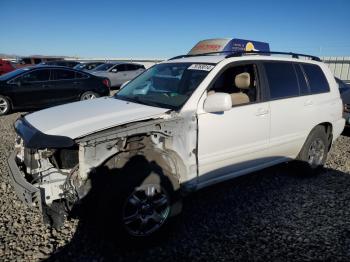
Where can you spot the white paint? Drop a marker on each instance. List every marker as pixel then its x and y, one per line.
pixel 85 117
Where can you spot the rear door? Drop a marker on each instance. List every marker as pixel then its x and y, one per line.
pixel 292 108
pixel 31 90
pixel 66 87
pixel 129 71
pixel 117 75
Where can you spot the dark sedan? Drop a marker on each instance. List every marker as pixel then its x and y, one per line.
pixel 66 63
pixel 45 86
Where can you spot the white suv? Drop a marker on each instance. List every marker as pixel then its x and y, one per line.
pixel 183 124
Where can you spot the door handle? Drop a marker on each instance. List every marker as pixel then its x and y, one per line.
pixel 46 86
pixel 262 112
pixel 76 83
pixel 309 102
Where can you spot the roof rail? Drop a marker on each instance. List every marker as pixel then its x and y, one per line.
pixel 294 55
pixel 241 53
pixel 202 54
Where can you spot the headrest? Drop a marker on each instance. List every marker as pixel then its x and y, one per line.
pixel 242 80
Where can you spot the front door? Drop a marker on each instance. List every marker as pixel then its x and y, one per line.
pixel 237 140
pixel 30 89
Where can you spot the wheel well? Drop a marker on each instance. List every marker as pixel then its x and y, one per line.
pixel 329 131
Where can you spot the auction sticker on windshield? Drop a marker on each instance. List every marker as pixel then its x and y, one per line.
pixel 202 67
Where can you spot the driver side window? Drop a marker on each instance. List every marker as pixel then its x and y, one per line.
pixel 240 82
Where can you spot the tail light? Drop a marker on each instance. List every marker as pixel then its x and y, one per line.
pixel 347 108
pixel 106 83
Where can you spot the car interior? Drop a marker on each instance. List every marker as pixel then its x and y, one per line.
pixel 238 81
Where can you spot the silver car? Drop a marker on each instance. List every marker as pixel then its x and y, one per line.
pixel 118 72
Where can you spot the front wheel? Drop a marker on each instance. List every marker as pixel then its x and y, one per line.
pixel 89 95
pixel 5 106
pixel 140 201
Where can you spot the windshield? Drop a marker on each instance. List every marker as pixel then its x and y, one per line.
pixel 103 67
pixel 165 85
pixel 80 66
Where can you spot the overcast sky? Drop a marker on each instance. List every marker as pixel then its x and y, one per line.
pixel 160 29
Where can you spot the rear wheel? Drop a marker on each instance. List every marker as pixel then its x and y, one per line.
pixel 313 155
pixel 89 95
pixel 5 106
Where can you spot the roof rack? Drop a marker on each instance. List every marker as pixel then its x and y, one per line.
pixel 241 53
pixel 202 54
pixel 294 55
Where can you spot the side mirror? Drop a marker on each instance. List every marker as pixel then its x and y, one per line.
pixel 114 70
pixel 18 82
pixel 218 102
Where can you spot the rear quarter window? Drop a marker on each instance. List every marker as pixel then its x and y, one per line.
pixel 317 80
pixel 282 80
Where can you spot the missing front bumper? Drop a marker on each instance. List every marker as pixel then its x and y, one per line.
pixel 29 194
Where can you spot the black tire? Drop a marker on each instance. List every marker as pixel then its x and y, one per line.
pixel 117 204
pixel 5 106
pixel 313 154
pixel 89 95
pixel 54 215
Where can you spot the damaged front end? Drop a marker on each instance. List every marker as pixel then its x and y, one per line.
pixel 42 167
pixel 46 170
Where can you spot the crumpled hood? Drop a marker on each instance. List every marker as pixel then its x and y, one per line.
pixel 82 118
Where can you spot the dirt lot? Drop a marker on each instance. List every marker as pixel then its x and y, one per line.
pixel 273 214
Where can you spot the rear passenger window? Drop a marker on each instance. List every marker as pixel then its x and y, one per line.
pixel 282 80
pixel 64 74
pixel 121 68
pixel 80 75
pixel 130 67
pixel 304 89
pixel 317 80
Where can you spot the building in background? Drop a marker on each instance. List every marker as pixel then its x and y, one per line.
pixel 339 65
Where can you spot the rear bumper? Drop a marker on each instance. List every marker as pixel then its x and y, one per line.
pixel 338 128
pixel 347 118
pixel 29 194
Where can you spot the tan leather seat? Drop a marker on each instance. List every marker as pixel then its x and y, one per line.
pixel 242 81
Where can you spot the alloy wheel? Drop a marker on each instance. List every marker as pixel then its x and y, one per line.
pixel 88 96
pixel 3 105
pixel 146 210
pixel 316 152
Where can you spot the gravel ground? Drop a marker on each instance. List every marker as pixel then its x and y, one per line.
pixel 269 215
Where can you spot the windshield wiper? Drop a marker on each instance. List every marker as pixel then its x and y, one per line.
pixel 137 99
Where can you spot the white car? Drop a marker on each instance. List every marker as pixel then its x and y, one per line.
pixel 184 124
pixel 118 72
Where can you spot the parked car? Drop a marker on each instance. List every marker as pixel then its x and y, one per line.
pixel 45 86
pixel 35 60
pixel 182 125
pixel 66 63
pixel 5 67
pixel 344 90
pixel 88 66
pixel 118 72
